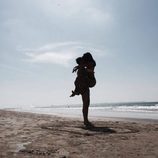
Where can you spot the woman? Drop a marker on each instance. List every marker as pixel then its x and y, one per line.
pixel 85 82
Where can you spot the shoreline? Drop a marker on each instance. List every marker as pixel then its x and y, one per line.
pixel 25 134
pixel 93 118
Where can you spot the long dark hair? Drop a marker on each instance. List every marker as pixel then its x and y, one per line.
pixel 87 57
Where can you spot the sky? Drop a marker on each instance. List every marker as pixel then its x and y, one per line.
pixel 40 40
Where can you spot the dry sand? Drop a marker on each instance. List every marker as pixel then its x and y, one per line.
pixel 26 135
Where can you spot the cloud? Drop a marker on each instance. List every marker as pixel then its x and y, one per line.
pixel 79 9
pixel 61 53
pixel 51 20
pixel 51 57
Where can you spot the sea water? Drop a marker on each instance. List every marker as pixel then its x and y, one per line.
pixel 136 110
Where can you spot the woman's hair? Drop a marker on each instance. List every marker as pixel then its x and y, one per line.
pixel 87 57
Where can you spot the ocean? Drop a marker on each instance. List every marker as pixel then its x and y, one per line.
pixel 135 110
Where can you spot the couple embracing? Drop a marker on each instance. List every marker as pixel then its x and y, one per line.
pixel 85 79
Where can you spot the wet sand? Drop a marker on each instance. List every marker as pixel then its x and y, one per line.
pixel 28 135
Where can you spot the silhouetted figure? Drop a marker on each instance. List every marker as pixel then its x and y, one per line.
pixel 81 82
pixel 85 80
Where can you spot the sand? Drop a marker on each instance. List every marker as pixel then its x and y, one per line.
pixel 28 135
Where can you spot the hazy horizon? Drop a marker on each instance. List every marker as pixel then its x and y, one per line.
pixel 41 39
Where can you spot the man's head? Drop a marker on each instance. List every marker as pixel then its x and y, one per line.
pixel 78 60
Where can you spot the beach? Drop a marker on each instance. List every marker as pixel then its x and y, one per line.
pixel 25 135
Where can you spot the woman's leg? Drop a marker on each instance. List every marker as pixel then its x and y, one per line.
pixel 86 102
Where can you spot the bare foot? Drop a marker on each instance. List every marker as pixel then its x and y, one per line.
pixel 73 94
pixel 88 124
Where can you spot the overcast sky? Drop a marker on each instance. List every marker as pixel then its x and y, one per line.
pixel 40 39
